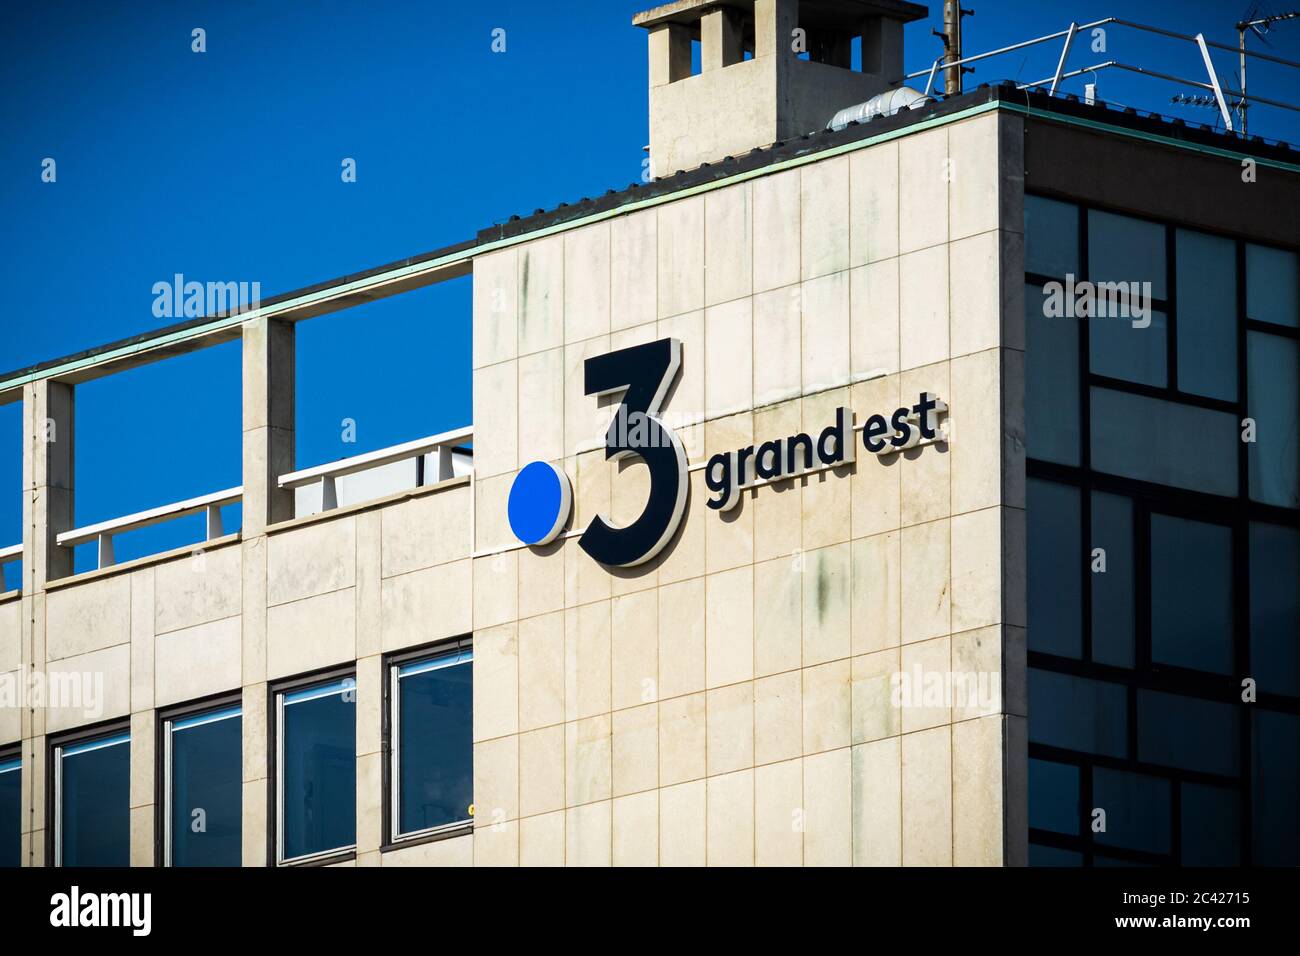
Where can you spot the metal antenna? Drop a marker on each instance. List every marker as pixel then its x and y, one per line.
pixel 1259 26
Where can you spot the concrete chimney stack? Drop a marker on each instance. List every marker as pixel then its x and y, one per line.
pixel 754 88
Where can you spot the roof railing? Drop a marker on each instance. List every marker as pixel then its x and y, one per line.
pixel 103 532
pixel 1069 34
pixel 9 555
pixel 328 474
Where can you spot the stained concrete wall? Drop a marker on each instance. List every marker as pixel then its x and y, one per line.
pixel 728 702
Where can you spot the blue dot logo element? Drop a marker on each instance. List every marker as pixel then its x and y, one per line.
pixel 540 501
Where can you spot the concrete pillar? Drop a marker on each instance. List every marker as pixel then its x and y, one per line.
pixel 47 481
pixel 774 25
pixel 269 397
pixel 720 40
pixel 48 470
pixel 257 801
pixel 882 48
pixel 269 393
pixel 670 54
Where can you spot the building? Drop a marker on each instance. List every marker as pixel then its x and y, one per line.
pixel 912 562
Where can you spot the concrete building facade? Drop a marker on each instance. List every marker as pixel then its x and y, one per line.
pixel 833 672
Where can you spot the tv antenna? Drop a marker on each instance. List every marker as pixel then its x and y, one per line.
pixel 1259 26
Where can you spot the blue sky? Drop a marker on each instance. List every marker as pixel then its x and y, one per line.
pixel 225 165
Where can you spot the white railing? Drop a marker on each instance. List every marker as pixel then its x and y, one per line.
pixel 1071 33
pixel 104 531
pixel 328 474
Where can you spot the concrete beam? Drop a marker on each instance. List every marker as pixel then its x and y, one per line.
pixel 48 470
pixel 269 398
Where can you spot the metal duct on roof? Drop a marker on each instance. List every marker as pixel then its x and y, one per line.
pixel 882 104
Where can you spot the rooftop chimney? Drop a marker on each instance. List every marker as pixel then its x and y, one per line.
pixel 753 89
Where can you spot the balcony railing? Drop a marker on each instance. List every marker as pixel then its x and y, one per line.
pixel 103 532
pixel 431 459
pixel 436 458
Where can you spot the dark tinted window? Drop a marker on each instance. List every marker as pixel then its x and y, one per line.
pixel 1272 281
pixel 1137 809
pixel 1112 589
pixel 1055 568
pixel 11 775
pixel 93 802
pixel 1051 383
pixel 1053 856
pixel 1274 404
pixel 1207 315
pixel 1187 733
pixel 1053 796
pixel 1191 593
pixel 1211 831
pixel 1051 237
pixel 205 803
pixel 318 780
pixel 1164 442
pixel 435 741
pixel 1275 608
pixel 1130 349
pixel 1124 249
pixel 1275 790
pixel 1077 714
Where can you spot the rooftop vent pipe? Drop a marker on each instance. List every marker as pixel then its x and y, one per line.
pixel 882 104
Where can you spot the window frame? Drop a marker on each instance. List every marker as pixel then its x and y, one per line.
pixel 275 742
pixel 162 762
pixel 392 839
pixel 55 745
pixel 1236 512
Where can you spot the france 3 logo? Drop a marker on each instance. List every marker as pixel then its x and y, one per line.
pixel 541 498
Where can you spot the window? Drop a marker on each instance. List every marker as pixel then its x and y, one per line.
pixel 1272 285
pixel 1211 825
pixel 1274 404
pixel 1054 796
pixel 1191 594
pixel 1055 579
pixel 1124 249
pixel 203 785
pixel 1164 442
pixel 1118 348
pixel 1077 713
pixel 1137 809
pixel 1276 788
pixel 11 801
pixel 1275 608
pixel 1040 855
pixel 1051 238
pixel 1113 601
pixel 1207 315
pixel 431 741
pixel 1135 670
pixel 316 769
pixel 1051 382
pixel 92 796
pixel 1188 733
